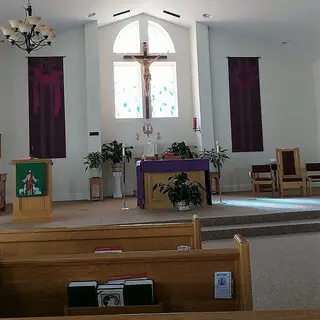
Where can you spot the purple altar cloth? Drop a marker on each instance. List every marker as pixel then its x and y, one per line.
pixel 171 166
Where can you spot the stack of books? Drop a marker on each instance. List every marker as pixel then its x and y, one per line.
pixel 128 290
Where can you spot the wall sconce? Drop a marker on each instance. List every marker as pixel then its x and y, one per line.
pixel 195 126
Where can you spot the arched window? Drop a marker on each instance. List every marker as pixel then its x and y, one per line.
pixel 128 78
pixel 128 39
pixel 159 39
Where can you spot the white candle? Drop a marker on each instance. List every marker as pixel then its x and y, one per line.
pixel 123 150
pixel 217 146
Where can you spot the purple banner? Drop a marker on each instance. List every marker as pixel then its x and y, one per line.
pixel 245 105
pixel 46 107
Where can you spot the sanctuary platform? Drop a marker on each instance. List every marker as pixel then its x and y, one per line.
pixel 239 213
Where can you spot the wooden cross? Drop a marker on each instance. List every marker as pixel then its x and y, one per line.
pixel 146 61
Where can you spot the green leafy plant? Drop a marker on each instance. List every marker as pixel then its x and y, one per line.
pixel 93 160
pixel 183 150
pixel 113 152
pixel 218 159
pixel 180 189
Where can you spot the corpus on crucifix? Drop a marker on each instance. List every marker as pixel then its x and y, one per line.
pixel 146 61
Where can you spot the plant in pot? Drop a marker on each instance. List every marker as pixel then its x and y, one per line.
pixel 113 151
pixel 217 157
pixel 181 191
pixel 183 150
pixel 94 162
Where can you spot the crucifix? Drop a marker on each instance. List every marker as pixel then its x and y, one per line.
pixel 146 61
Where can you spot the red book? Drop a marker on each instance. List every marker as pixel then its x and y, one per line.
pixel 129 276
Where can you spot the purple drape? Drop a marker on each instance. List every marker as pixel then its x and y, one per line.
pixel 46 107
pixel 245 104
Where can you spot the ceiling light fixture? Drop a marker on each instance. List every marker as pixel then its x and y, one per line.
pixel 171 14
pixel 92 14
pixel 121 13
pixel 28 35
pixel 207 15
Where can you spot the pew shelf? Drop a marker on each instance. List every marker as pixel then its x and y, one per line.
pixel 95 311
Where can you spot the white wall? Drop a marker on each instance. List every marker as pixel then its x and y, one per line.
pixel 316 75
pixel 195 80
pixel 201 76
pixel 93 85
pixel 287 96
pixel 124 130
pixel 69 180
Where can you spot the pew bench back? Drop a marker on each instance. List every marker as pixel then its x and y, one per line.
pixel 138 237
pixel 250 315
pixel 36 286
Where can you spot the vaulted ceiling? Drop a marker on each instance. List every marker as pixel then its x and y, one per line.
pixel 286 20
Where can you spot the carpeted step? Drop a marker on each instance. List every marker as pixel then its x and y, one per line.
pixel 260 230
pixel 260 218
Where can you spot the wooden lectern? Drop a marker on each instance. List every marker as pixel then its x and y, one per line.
pixel 32 190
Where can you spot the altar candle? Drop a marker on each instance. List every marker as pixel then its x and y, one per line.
pixel 123 150
pixel 194 123
pixel 217 146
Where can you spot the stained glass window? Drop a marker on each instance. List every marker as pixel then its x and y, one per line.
pixel 164 101
pixel 159 39
pixel 127 90
pixel 128 39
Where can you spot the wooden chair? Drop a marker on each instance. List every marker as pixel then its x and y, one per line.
pixel 261 175
pixel 315 176
pixel 98 182
pixel 290 173
pixel 215 176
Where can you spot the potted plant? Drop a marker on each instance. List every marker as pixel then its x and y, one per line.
pixel 94 162
pixel 217 157
pixel 183 150
pixel 113 151
pixel 181 191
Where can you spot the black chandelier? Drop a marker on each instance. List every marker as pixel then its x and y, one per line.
pixel 29 35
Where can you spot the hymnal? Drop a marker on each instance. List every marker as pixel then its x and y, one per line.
pixel 223 285
pixel 82 294
pixel 110 295
pixel 138 292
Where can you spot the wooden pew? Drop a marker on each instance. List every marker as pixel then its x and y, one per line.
pixel 36 286
pixel 249 315
pixel 139 237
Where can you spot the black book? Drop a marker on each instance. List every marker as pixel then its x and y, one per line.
pixel 138 292
pixel 82 294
